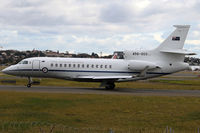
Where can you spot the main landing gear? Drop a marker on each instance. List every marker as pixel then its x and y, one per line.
pixel 108 85
pixel 29 82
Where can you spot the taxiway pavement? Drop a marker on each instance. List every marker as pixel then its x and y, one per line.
pixel 118 91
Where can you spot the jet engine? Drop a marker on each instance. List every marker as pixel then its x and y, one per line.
pixel 141 65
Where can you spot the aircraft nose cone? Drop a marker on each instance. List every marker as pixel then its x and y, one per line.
pixel 10 70
pixel 5 71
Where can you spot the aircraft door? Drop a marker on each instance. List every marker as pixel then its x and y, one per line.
pixel 36 67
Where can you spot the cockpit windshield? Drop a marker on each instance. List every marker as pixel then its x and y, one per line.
pixel 23 62
pixel 20 62
pixel 118 55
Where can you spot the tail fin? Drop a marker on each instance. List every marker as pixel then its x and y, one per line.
pixel 176 39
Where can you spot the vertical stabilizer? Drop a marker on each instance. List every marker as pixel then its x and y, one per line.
pixel 176 39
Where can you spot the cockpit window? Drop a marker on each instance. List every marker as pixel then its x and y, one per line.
pixel 25 62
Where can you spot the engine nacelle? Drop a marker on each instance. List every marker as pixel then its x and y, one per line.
pixel 141 65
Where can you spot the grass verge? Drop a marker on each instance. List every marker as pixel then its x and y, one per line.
pixel 99 111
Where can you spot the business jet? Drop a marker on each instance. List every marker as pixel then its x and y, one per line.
pixel 167 58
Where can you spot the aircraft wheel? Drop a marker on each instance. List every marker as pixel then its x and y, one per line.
pixel 110 86
pixel 28 85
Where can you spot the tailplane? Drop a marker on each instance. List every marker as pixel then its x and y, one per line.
pixel 170 48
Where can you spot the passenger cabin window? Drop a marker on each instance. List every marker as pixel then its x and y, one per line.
pixel 69 65
pixel 60 65
pixel 92 66
pixel 82 65
pixel 51 64
pixel 105 66
pixel 97 66
pixel 88 65
pixel 101 66
pixel 65 65
pixel 56 65
pixel 110 66
pixel 78 65
pixel 74 65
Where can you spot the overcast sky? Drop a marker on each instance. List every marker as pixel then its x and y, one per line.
pixel 95 25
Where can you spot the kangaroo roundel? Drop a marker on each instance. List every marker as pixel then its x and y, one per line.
pixel 44 70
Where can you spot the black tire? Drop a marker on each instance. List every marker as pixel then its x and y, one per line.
pixel 110 87
pixel 28 85
pixel 45 70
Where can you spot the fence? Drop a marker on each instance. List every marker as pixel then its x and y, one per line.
pixel 43 127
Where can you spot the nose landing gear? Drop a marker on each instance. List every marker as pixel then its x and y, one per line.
pixel 29 82
pixel 29 85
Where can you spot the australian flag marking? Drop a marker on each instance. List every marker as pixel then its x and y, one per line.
pixel 175 38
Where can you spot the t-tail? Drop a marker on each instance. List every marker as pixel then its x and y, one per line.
pixel 171 52
pixel 172 47
pixel 167 57
pixel 176 39
pixel 167 50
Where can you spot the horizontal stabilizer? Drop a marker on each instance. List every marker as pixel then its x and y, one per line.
pixel 178 51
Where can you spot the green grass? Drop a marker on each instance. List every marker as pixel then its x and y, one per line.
pixel 99 111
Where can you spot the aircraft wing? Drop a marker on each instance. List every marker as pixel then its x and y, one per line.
pixel 104 77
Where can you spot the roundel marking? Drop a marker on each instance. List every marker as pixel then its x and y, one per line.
pixel 44 70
